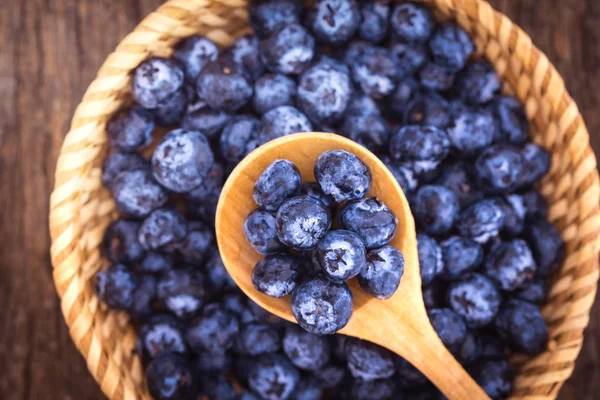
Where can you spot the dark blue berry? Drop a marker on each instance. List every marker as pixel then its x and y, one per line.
pixel 313 189
pixel 334 21
pixel 408 376
pixel 305 350
pixel 470 350
pixel 273 377
pixel 422 148
pixel 219 387
pixel 224 86
pixel 435 209
pixel 536 207
pixel 521 325
pixel 475 298
pixel 209 363
pixel 137 193
pixel 321 306
pixel 214 331
pixel 341 255
pixel 368 129
pixel 171 110
pixel 276 275
pixel 116 286
pixel 451 46
pixel 155 80
pixel 368 361
pixel 512 120
pixel 371 219
pixel 535 291
pixel 120 243
pixel 196 244
pixel 170 377
pixel 117 162
pixel 457 177
pixel 272 91
pixel 238 303
pixel 162 334
pixel 163 228
pixel 260 231
pixel 342 175
pixel 382 389
pixel 308 388
pixel 374 20
pixel 427 108
pixel 330 375
pixel 324 92
pixel 460 255
pixel 374 69
pixel 470 131
pixel 536 164
pixel 362 104
pixel 430 258
pixel 181 160
pixel 481 221
pixel 217 277
pixel 409 57
pixel 200 117
pixel 514 214
pixel 381 277
pixel 450 327
pixel 245 54
pixel 510 264
pixel 547 247
pixel 239 138
pixel 301 222
pixel 478 83
pixel 143 297
pixel 268 16
pixel 288 50
pixel 282 121
pixel 495 376
pixel 258 338
pixel 435 77
pixel 403 174
pixel 412 22
pixel 130 130
pixel 499 169
pixel 278 182
pixel 182 291
pixel 194 52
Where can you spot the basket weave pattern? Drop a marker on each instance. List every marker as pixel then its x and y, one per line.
pixel 81 207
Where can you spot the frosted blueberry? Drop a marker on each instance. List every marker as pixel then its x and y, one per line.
pixel 260 231
pixel 381 277
pixel 342 175
pixel 276 275
pixel 302 221
pixel 278 182
pixel 341 255
pixel 371 219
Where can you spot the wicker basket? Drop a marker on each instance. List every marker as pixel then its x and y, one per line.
pixel 81 208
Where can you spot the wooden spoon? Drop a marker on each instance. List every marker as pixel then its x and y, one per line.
pixel 399 323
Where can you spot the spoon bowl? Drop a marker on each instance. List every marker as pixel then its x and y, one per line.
pixel 399 323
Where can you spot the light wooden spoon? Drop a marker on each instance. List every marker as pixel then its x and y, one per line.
pixel 399 323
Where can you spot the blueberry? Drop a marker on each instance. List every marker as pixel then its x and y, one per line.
pixel 283 121
pixel 162 228
pixel 308 388
pixel 334 21
pixel 223 86
pixel 214 331
pixel 478 83
pixel 120 243
pixel 181 160
pixel 536 207
pixel 536 164
pixel 368 129
pixel 143 297
pixel 510 264
pixel 276 275
pixel 522 326
pixel 238 303
pixel 450 327
pixel 407 375
pixel 422 148
pixel 196 244
pixel 382 389
pixel 210 364
pixel 435 209
pixel 260 231
pixel 170 377
pixel 342 175
pixel 547 247
pixel 341 255
pixel 371 219
pixel 239 138
pixel 475 298
pixel 427 108
pixel 384 270
pixel 194 52
pixel 245 54
pixel 511 119
pixel 451 46
pixel 470 350
pixel 273 377
pixel 217 277
pixel 330 375
pixel 534 291
pixel 272 91
pixel 305 350
pixel 457 177
pixel 460 255
pixel 116 286
pixel 368 361
pixel 324 92
pixel 213 180
pixel 162 334
pixel 435 77
pixel 470 131
pixel 403 174
pixel 481 221
pixel 362 104
pixel 258 338
pixel 374 20
pixel 374 69
pixel 182 291
pixel 171 110
pixel 495 376
pixel 219 387
pixel 322 307
pixel 130 130
pixel 288 50
pixel 409 56
pixel 155 80
pixel 514 214
pixel 278 182
pixel 412 22
pixel 267 16
pixel 499 168
pixel 430 258
pixel 137 193
pixel 301 222
pixel 117 162
pixel 200 117
pixel 313 189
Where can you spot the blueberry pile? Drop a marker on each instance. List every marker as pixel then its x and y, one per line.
pixel 389 77
pixel 305 257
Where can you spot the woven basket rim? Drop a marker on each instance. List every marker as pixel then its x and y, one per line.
pixel 67 201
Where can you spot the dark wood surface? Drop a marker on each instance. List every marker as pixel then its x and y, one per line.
pixel 49 52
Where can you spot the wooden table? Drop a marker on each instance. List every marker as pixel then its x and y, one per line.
pixel 49 52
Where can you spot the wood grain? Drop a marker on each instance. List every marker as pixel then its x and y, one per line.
pixel 49 51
